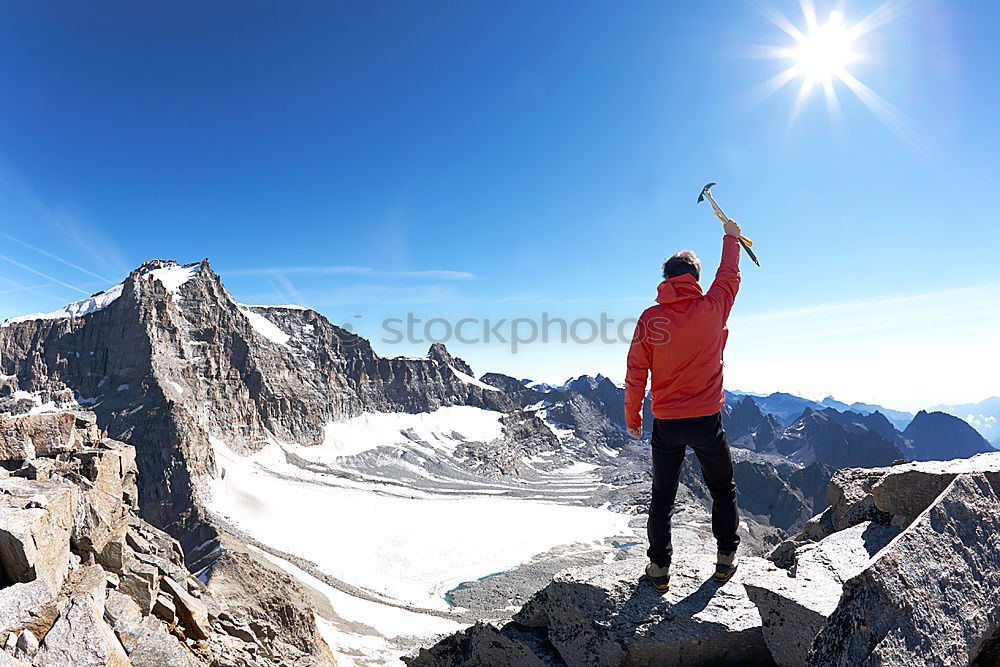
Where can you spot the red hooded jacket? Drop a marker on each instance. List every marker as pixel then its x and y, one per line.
pixel 680 340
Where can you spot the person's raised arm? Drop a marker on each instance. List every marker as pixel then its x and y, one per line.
pixel 639 359
pixel 723 291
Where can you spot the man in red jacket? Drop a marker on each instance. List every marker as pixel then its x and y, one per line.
pixel 680 341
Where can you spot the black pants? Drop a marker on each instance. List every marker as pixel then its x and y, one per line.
pixel 708 440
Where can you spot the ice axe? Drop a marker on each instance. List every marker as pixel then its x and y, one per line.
pixel 706 193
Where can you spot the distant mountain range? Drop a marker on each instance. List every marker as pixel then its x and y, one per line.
pixel 849 439
pixel 984 416
pixel 787 407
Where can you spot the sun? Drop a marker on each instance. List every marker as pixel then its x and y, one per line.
pixel 825 51
pixel 822 54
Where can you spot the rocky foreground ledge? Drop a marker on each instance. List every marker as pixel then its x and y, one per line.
pixel 83 581
pixel 902 568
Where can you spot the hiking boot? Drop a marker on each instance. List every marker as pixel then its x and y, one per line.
pixel 659 576
pixel 725 567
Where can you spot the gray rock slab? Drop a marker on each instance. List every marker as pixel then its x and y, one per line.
pixel 147 647
pixel 27 605
pixel 610 615
pixel 35 541
pixel 80 636
pixel 795 603
pixel 932 596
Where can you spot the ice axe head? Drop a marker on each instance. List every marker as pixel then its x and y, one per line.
pixel 707 190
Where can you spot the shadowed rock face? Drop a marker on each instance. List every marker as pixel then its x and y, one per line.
pixel 592 408
pixel 831 438
pixel 609 615
pixel 765 492
pixel 795 604
pixel 939 436
pixel 746 426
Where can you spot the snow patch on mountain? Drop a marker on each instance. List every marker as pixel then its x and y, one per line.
pixel 468 379
pixel 34 397
pixel 265 327
pixel 443 429
pixel 172 277
pixel 285 306
pixel 79 308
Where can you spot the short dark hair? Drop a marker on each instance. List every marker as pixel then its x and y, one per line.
pixel 683 262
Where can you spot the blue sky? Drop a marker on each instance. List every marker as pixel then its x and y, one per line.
pixel 505 159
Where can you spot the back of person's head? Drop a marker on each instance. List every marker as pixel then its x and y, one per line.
pixel 683 262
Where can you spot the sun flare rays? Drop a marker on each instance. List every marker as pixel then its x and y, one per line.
pixel 820 55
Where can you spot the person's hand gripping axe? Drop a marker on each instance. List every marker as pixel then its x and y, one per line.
pixel 706 193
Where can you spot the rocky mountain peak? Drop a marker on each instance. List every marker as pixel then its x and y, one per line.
pixel 940 435
pixel 154 264
pixel 438 352
pixel 747 409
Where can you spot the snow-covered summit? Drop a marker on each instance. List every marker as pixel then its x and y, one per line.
pixel 170 274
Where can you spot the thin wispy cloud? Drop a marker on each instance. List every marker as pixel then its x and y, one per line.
pixel 433 274
pixel 14 287
pixel 866 316
pixel 89 239
pixel 43 275
pixel 56 257
pixel 20 288
pixel 283 287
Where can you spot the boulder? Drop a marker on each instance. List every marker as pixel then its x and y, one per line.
pixel 27 643
pixel 107 475
pixel 148 645
pixel 795 603
pixel 487 644
pixel 146 539
pixel 904 491
pixel 28 436
pixel 164 609
pixel 933 595
pixel 7 660
pixel 113 556
pixel 38 469
pixel 35 542
pixel 80 636
pixel 163 565
pixel 191 611
pixel 100 519
pixel 140 582
pixel 849 499
pixel 30 605
pixel 120 608
pixel 111 468
pixel 238 631
pixel 891 495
